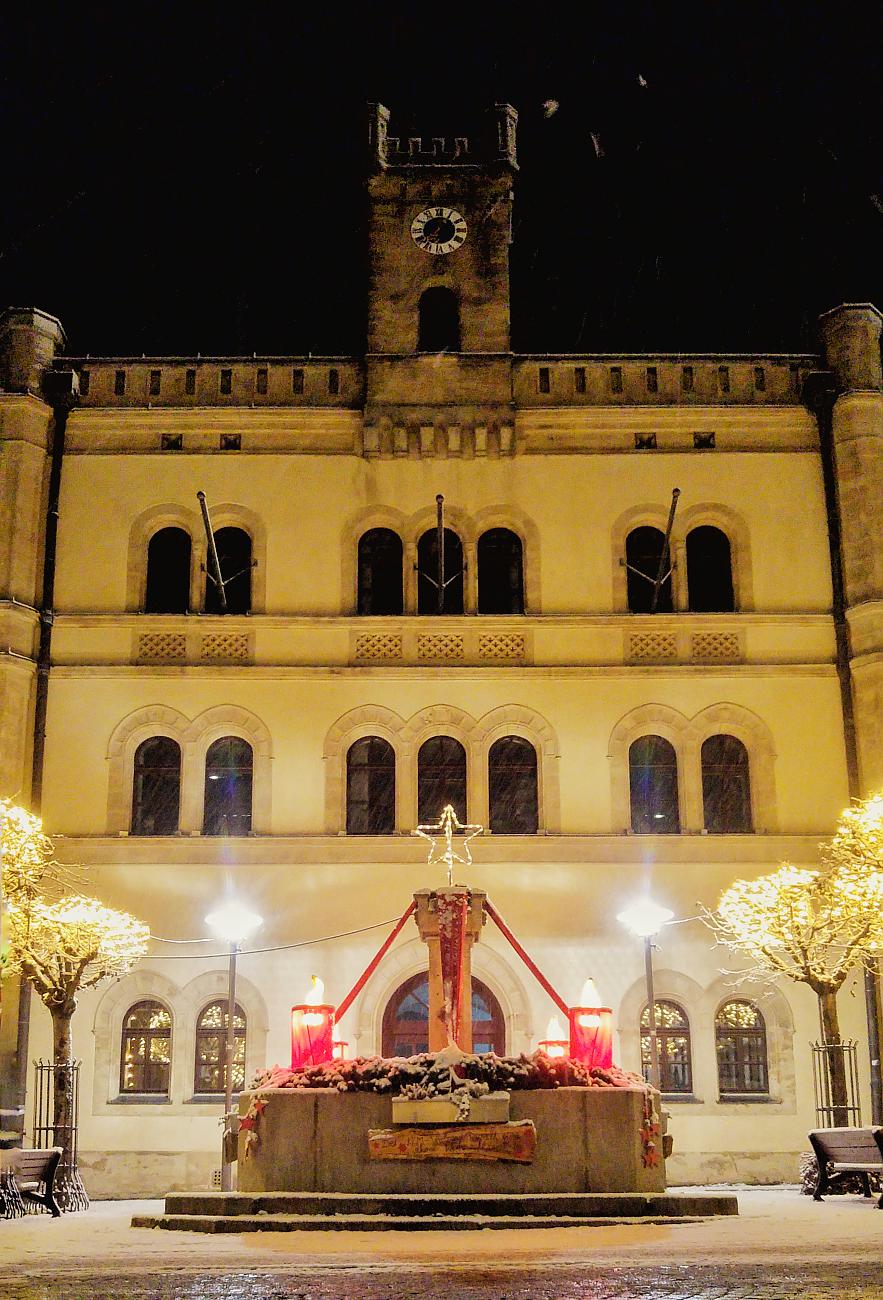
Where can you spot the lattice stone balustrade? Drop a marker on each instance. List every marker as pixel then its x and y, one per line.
pixel 225 647
pixel 383 646
pixel 162 647
pixel 440 646
pixel 651 647
pixel 717 647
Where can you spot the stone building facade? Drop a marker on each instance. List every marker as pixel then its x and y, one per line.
pixel 283 750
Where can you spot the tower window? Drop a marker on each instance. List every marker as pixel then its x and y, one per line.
pixel 543 382
pixel 652 380
pixel 616 379
pixel 261 382
pixel 156 787
pixel 168 572
pixel 370 787
pixel 643 552
pixel 441 778
pixel 297 381
pixel 234 556
pixel 653 783
pixel 579 379
pixel 438 327
pixel 723 378
pixel 226 385
pixel 500 583
pixel 427 577
pixel 709 571
pixel 334 382
pixel 512 787
pixel 380 572
pixel 687 379
pixel 119 383
pixel 85 376
pixel 155 382
pixel 726 786
pixel 190 383
pixel 759 379
pixel 228 786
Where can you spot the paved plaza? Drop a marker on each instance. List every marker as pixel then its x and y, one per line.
pixel 781 1245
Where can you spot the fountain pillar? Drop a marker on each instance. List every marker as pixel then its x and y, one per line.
pixel 449 922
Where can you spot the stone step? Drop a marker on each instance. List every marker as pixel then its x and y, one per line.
pixel 386 1223
pixel 605 1205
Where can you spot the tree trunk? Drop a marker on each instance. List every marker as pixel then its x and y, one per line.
pixel 62 1059
pixel 834 1059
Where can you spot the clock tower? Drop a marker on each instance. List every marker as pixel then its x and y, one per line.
pixel 440 225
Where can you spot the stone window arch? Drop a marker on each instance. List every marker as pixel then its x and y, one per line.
pixel 674 1046
pixel 235 560
pixel 210 1063
pixel 752 732
pixel 511 519
pixel 513 788
pixel 442 778
pixel 517 721
pixel 451 597
pixel 636 539
pixel 653 786
pixel 438 320
pixel 229 782
pixel 156 787
pixel 228 722
pixel 145 527
pixel 169 571
pixel 146 1049
pixel 229 520
pixel 668 725
pixel 405 1029
pixel 366 721
pixel 723 520
pixel 778 1030
pixel 709 571
pixel 726 785
pixel 370 787
pixel 380 573
pixel 157 720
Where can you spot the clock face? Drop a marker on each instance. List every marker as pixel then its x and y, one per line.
pixel 438 230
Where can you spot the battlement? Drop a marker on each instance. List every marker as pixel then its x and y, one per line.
pixel 494 144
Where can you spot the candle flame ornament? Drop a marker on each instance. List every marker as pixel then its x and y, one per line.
pixel 312 1028
pixel 441 835
pixel 591 1029
pixel 555 1043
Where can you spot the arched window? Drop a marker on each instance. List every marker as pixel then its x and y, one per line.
pixel 234 557
pixel 370 787
pixel 406 1019
pixel 156 787
pixel 673 1041
pixel 500 581
pixel 211 1049
pixel 146 1049
pixel 441 778
pixel 512 787
pixel 709 571
pixel 380 572
pixel 653 783
pixel 726 786
pixel 643 550
pixel 168 572
pixel 740 1039
pixel 427 578
pixel 438 321
pixel 228 783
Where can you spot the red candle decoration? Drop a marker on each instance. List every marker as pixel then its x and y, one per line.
pixel 591 1030
pixel 312 1029
pixel 554 1044
pixel 339 1049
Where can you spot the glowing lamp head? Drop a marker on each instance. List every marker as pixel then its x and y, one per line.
pixel 233 922
pixel 644 917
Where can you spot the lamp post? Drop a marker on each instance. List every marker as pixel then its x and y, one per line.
pixel 645 919
pixel 233 923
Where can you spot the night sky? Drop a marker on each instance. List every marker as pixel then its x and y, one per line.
pixel 183 179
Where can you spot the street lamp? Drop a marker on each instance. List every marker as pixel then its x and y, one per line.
pixel 645 919
pixel 233 923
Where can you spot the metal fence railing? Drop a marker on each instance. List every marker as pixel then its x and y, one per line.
pixel 49 1081
pixel 836 1107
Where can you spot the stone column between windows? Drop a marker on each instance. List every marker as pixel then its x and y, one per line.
pixel 470 578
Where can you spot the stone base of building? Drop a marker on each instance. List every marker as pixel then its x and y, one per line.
pixel 707 1168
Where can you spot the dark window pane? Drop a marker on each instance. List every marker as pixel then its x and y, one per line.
pixel 643 549
pixel 370 787
pixel 726 786
pixel 653 781
pixel 543 379
pixel 709 570
pixel 156 787
pixel 334 382
pixel 406 1019
pixel 234 557
pixel 427 579
pixel 512 787
pixel 438 321
pixel 211 1049
pixel 228 787
pixel 119 383
pixel 190 382
pixel 226 381
pixel 297 381
pixel 146 1049
pixel 261 379
pixel 441 778
pixel 500 581
pixel 168 572
pixel 673 1041
pixel 380 572
pixel 740 1039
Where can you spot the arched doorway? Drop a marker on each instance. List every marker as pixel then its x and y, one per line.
pixel 406 1019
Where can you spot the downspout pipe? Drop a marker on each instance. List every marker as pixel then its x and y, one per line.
pixel 820 394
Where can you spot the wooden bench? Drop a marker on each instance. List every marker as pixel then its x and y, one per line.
pixel 29 1177
pixel 847 1151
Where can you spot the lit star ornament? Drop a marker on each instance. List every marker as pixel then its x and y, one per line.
pixel 441 837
